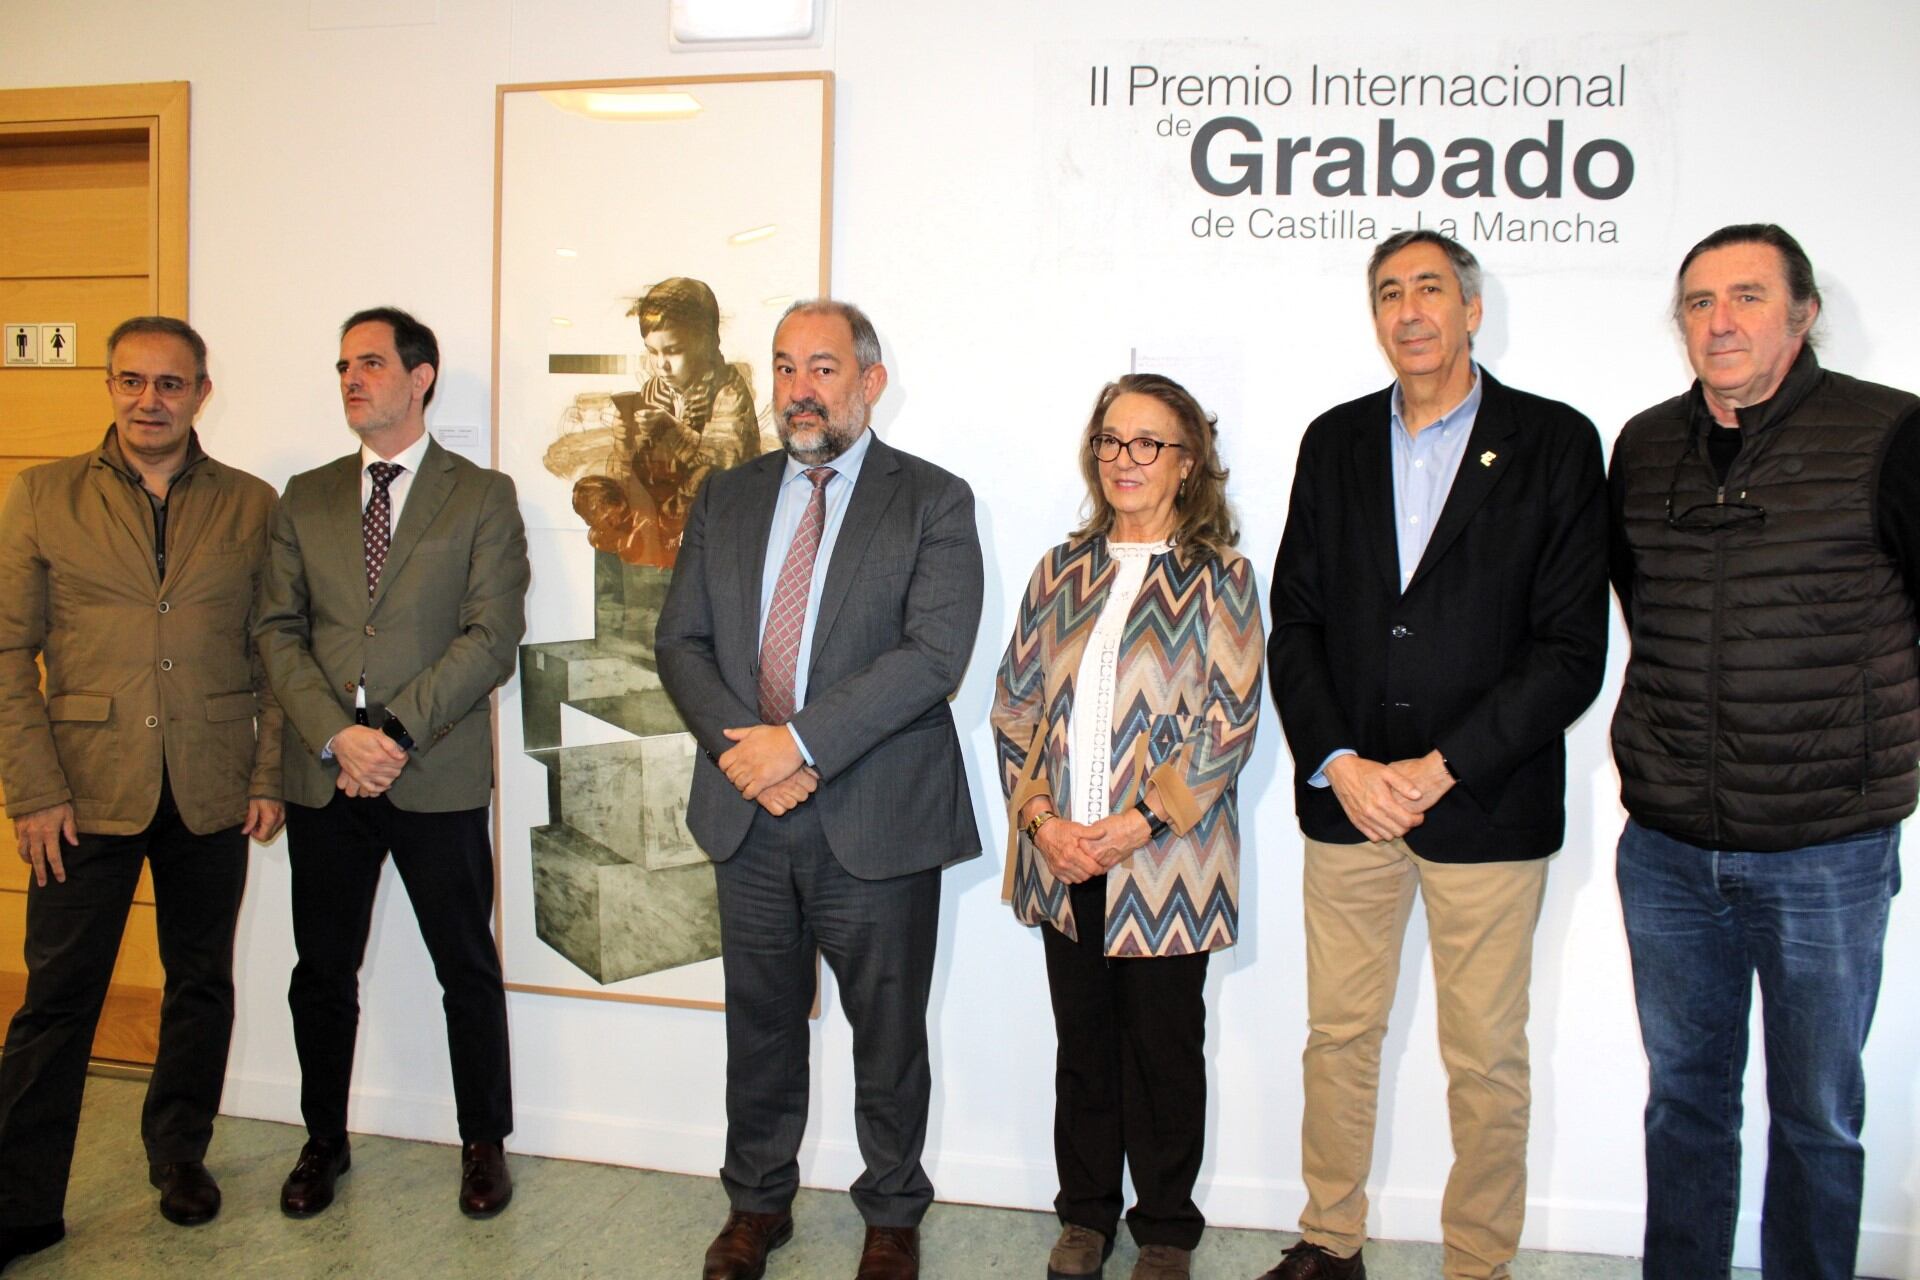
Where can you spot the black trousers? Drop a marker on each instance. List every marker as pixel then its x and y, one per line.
pixel 446 863
pixel 782 897
pixel 73 938
pixel 1130 1080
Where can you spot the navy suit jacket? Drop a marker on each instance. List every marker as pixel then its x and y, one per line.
pixel 1496 645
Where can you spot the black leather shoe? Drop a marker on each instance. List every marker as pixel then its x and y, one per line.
pixel 309 1188
pixel 485 1184
pixel 188 1194
pixel 740 1251
pixel 1311 1262
pixel 18 1242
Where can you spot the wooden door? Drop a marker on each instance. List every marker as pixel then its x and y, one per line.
pixel 93 229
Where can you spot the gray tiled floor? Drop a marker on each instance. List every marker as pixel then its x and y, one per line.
pixel 395 1216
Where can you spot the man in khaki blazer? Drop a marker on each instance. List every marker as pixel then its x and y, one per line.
pixel 130 572
pixel 393 605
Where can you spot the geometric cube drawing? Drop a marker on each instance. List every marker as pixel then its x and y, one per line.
pixel 620 887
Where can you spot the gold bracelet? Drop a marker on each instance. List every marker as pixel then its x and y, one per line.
pixel 1038 821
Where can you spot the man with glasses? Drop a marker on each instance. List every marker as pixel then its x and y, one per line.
pixel 1439 619
pixel 1766 550
pixel 130 573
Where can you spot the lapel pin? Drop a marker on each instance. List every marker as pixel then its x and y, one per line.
pixel 1486 459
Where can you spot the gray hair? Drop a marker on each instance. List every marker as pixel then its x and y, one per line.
pixel 1466 267
pixel 866 343
pixel 170 327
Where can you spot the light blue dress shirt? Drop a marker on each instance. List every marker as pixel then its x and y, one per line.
pixel 795 490
pixel 1424 465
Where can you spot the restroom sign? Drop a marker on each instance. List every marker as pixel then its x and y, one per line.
pixel 56 344
pixel 23 344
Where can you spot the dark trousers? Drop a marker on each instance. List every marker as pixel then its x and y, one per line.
pixel 782 897
pixel 1130 1080
pixel 73 938
pixel 446 863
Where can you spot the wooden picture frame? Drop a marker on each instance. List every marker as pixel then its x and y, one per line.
pixel 621 206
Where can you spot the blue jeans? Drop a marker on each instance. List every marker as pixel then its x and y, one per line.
pixel 1811 924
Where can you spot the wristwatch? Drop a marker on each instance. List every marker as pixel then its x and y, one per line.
pixel 1156 825
pixel 397 731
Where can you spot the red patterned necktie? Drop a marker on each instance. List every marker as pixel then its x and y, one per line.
pixel 787 611
pixel 376 526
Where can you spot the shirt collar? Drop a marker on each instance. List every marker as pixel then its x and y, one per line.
pixel 409 457
pixel 1465 411
pixel 847 464
pixel 115 457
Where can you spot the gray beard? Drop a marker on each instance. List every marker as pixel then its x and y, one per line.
pixel 834 438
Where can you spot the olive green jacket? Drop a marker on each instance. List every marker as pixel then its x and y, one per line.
pixel 438 636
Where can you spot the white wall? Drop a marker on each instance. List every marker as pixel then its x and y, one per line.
pixel 335 168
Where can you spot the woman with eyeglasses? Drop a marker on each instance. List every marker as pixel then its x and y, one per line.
pixel 1123 713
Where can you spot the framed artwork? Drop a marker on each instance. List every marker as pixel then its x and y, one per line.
pixel 648 234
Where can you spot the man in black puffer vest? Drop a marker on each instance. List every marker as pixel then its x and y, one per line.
pixel 1766 550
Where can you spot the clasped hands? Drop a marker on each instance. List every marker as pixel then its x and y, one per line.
pixel 369 760
pixel 1079 851
pixel 764 763
pixel 1385 801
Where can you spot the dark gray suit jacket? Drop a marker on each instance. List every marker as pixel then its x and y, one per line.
pixel 898 611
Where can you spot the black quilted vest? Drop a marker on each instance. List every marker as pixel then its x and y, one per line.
pixel 1772 697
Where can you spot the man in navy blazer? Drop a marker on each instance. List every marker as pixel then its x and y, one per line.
pixel 1439 619
pixel 823 605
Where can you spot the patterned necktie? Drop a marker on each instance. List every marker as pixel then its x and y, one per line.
pixel 376 526
pixel 787 611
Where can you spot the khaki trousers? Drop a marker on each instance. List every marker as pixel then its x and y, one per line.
pixel 1480 922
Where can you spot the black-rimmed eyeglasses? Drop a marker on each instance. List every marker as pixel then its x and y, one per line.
pixel 1142 449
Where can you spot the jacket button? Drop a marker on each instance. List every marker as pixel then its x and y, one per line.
pixel 348 687
pixel 164 606
pixel 153 722
pixel 1400 631
pixel 166 664
pixel 370 630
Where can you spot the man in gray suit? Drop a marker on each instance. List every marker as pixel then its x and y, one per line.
pixel 392 606
pixel 822 610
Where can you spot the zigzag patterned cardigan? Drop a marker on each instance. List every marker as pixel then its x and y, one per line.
pixel 1186 700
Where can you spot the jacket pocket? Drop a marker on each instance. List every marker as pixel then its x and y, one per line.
pixel 90 707
pixel 231 706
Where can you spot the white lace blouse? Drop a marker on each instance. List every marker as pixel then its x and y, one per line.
pixel 1090 742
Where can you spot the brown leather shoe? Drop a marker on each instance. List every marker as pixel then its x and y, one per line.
pixel 309 1188
pixel 485 1184
pixel 1079 1253
pixel 740 1251
pixel 891 1253
pixel 1163 1262
pixel 1311 1262
pixel 188 1194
